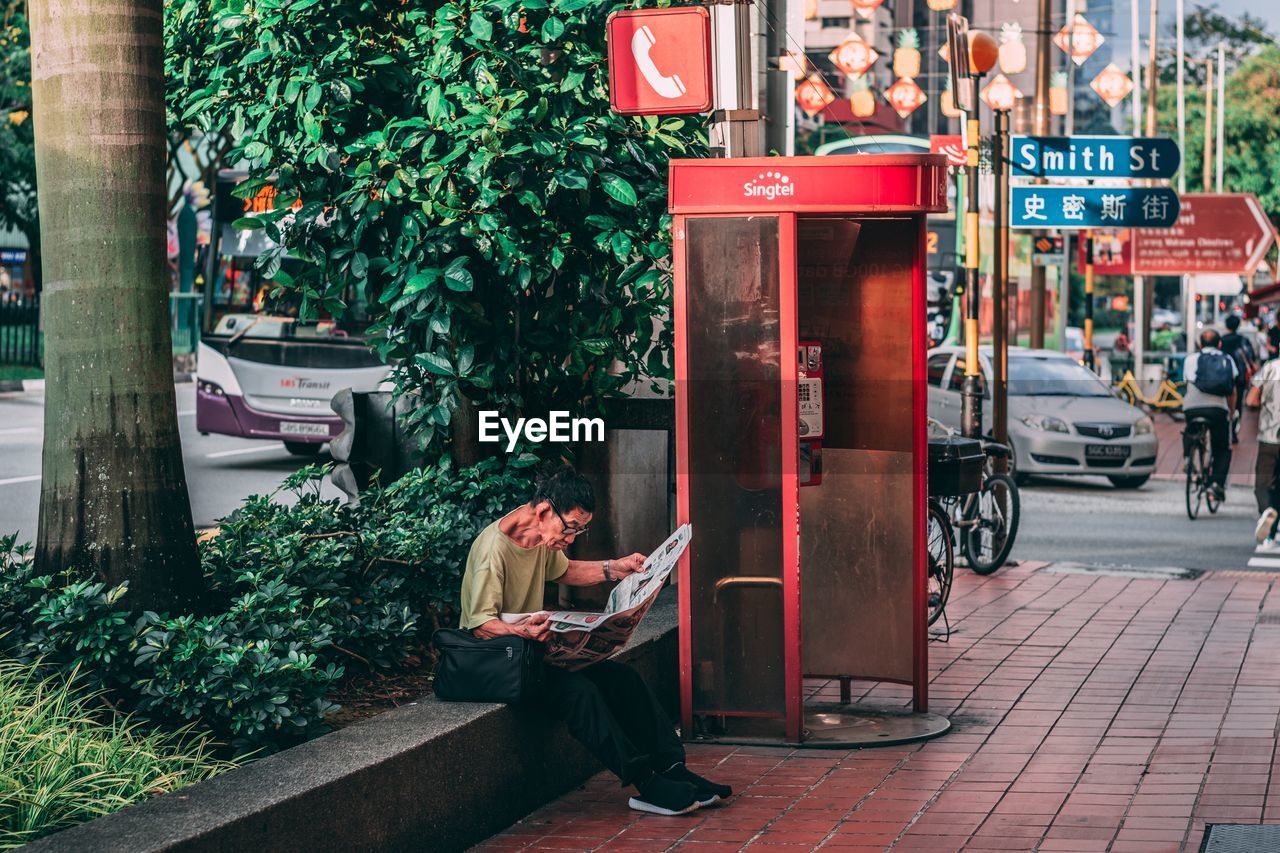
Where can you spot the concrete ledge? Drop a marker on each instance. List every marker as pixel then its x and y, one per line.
pixel 20 386
pixel 433 776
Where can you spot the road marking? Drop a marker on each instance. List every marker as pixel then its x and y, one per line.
pixel 15 480
pixel 1265 562
pixel 241 451
pixel 18 430
pixel 186 414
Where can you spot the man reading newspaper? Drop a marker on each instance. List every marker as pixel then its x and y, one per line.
pixel 606 705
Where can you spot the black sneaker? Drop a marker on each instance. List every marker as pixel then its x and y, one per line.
pixel 664 796
pixel 708 792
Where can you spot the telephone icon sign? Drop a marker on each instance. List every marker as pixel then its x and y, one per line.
pixel 666 86
pixel 660 61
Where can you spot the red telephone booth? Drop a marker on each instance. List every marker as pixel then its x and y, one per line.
pixel 800 441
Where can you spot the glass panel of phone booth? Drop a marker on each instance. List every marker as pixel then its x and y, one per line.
pixel 734 459
pixel 854 295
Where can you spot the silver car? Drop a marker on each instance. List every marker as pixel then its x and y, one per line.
pixel 1062 418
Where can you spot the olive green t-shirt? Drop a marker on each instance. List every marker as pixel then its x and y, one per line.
pixel 502 577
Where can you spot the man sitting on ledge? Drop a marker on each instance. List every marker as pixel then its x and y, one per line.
pixel 607 706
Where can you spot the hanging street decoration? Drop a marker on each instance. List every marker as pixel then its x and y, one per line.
pixel 947 102
pixel 813 94
pixel 854 56
pixel 942 5
pixel 1000 94
pixel 905 96
pixel 863 100
pixel 795 62
pixel 945 53
pixel 1112 84
pixel 864 8
pixel 906 56
pixel 1080 40
pixel 1013 53
pixel 1058 101
pixel 811 10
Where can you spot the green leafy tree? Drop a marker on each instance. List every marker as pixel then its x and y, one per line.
pixel 17 142
pixel 457 169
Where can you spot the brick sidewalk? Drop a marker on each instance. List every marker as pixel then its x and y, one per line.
pixel 1089 713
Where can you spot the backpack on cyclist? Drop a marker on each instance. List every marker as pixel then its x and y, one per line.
pixel 1214 374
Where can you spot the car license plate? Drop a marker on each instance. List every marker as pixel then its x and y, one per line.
pixel 1106 451
pixel 300 428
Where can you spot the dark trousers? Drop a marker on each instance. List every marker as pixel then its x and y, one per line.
pixel 1264 475
pixel 613 713
pixel 1219 441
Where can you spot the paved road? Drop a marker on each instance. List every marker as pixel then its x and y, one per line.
pixel 1086 520
pixel 221 470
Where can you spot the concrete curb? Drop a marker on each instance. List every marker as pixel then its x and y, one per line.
pixel 436 776
pixel 21 386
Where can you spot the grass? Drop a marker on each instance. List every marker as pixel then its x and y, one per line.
pixel 10 372
pixel 65 759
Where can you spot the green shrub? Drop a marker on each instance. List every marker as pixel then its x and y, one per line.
pixel 63 761
pixel 301 591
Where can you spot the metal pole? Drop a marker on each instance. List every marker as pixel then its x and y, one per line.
pixel 1144 291
pixel 1188 303
pixel 1153 75
pixel 971 391
pixel 735 130
pixel 1135 63
pixel 1222 106
pixel 1041 126
pixel 1088 299
pixel 778 88
pixel 1208 127
pixel 1000 289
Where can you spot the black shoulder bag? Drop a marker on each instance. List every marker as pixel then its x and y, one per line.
pixel 504 669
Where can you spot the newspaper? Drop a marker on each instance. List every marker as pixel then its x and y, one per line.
pixel 579 638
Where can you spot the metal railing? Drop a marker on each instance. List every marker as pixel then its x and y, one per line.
pixel 184 321
pixel 21 341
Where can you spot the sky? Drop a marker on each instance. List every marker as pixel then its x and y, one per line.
pixel 1268 10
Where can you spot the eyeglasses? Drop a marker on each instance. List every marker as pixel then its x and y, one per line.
pixel 569 530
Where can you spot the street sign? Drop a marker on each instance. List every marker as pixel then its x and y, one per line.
pixel 951 145
pixel 1215 233
pixel 1092 207
pixel 1094 157
pixel 1046 251
pixel 660 61
pixel 1111 251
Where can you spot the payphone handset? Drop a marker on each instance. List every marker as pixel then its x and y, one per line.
pixel 811 394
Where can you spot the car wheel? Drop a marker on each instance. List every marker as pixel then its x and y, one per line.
pixel 1135 481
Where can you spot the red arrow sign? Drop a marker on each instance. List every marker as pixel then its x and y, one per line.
pixel 1215 233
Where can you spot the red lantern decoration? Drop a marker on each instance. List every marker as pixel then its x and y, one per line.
pixel 1112 85
pixel 864 8
pixel 813 94
pixel 1080 40
pixel 854 56
pixel 905 96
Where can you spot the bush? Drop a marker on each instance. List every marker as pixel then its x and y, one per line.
pixel 63 762
pixel 300 590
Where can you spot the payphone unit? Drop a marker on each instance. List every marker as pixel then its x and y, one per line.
pixel 801 449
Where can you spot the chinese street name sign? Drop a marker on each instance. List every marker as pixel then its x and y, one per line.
pixel 1094 157
pixel 1214 233
pixel 1092 207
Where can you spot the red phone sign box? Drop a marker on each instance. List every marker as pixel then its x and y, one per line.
pixel 660 61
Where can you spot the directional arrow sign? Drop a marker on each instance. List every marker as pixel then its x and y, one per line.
pixel 1094 157
pixel 1214 233
pixel 1093 207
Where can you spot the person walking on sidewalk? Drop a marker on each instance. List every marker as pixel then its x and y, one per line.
pixel 1211 395
pixel 1264 394
pixel 607 706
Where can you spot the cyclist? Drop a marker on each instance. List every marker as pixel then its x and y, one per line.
pixel 1240 349
pixel 1211 396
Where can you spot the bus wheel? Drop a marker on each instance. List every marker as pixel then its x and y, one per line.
pixel 303 448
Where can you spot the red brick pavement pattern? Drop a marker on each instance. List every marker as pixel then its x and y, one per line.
pixel 1089 713
pixel 1243 455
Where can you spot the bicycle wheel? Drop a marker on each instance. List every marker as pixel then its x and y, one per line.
pixel 941 561
pixel 1195 479
pixel 988 542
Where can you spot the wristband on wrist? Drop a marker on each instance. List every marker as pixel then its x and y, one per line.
pixel 608 575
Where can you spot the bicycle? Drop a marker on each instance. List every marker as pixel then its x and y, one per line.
pixel 1199 459
pixel 1168 395
pixel 941 554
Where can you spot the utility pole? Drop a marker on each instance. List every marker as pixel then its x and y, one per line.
pixel 1000 289
pixel 1153 80
pixel 1041 126
pixel 1088 298
pixel 1188 298
pixel 1140 311
pixel 1222 107
pixel 778 101
pixel 736 128
pixel 1208 124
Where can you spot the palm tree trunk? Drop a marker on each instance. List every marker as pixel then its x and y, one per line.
pixel 113 502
